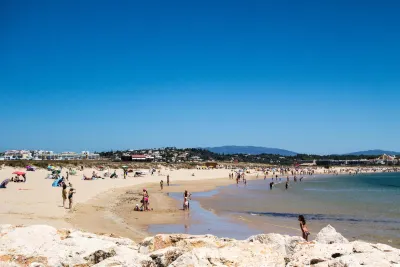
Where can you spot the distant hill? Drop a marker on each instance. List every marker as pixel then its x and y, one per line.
pixel 252 150
pixel 374 152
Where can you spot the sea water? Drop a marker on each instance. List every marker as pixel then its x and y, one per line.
pixel 363 206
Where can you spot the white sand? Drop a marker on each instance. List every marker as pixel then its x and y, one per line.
pixel 36 201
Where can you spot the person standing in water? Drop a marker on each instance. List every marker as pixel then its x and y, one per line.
pixel 168 179
pixel 186 197
pixel 287 185
pixel 161 184
pixel 303 227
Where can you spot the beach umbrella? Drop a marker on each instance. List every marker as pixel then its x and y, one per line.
pixel 18 173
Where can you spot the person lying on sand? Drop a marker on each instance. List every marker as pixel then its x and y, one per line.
pixel 114 175
pixel 87 178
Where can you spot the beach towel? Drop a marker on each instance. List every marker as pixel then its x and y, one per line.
pixel 4 183
pixel 56 182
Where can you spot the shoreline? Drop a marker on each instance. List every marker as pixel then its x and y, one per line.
pixel 113 210
pixel 104 206
pixel 136 225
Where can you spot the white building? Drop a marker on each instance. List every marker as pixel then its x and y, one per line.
pixel 17 154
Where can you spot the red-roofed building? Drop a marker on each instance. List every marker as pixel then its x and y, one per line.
pixel 138 157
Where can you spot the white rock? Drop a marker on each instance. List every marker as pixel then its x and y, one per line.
pixel 328 235
pixel 41 245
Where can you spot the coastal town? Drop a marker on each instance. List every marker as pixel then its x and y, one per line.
pixel 197 155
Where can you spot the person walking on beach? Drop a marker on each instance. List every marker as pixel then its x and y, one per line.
pixel 168 179
pixel 161 184
pixel 71 197
pixel 303 227
pixel 64 194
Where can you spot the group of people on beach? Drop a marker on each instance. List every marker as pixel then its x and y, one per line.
pixel 68 195
pixel 17 178
pixel 144 201
pixel 241 176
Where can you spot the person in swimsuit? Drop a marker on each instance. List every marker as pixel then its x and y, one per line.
pixel 64 194
pixel 71 197
pixel 303 227
pixel 161 184
pixel 145 200
pixel 168 179
pixel 287 185
pixel 186 197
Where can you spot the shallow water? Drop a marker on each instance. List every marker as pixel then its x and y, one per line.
pixel 365 206
pixel 202 221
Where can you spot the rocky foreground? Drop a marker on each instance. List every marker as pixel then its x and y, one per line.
pixel 41 245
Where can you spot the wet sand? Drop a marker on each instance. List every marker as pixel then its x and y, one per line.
pixel 113 212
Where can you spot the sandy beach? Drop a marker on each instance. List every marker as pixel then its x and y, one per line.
pixel 37 202
pixel 106 205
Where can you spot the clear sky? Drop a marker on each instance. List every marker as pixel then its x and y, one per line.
pixel 307 76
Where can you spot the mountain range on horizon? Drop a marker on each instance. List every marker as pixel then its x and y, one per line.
pixel 255 150
pixel 252 150
pixel 373 152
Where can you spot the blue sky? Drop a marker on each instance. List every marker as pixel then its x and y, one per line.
pixel 308 76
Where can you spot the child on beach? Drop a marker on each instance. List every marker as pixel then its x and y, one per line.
pixel 186 197
pixel 185 204
pixel 145 200
pixel 303 227
pixel 71 197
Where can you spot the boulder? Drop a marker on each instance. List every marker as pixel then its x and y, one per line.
pixel 44 246
pixel 284 244
pixel 165 256
pixel 328 235
pixel 99 255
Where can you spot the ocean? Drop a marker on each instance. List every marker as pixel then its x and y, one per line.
pixel 364 206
